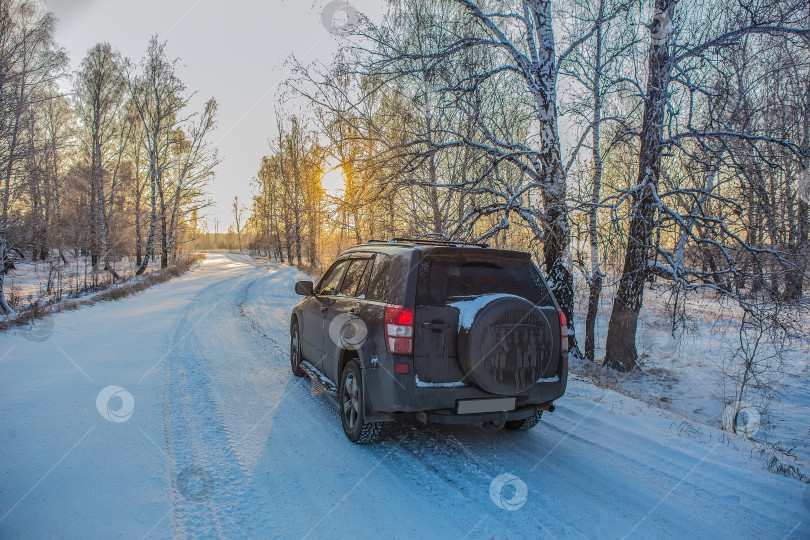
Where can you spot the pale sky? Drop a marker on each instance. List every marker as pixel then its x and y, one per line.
pixel 234 51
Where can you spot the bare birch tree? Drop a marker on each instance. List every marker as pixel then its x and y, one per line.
pixel 100 93
pixel 158 96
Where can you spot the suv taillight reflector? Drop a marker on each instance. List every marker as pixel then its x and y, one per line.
pixel 563 331
pixel 399 329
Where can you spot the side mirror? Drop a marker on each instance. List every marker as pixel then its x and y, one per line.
pixel 304 288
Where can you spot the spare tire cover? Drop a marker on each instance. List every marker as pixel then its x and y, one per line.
pixel 507 346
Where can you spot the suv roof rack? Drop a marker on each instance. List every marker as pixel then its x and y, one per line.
pixel 433 242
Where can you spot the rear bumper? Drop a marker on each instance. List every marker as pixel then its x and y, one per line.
pixel 449 417
pixel 389 392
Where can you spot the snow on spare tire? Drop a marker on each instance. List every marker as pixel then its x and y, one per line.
pixel 504 342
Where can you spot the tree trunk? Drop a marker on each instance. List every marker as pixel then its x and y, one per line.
pixel 93 223
pixel 4 307
pixel 620 348
pixel 595 279
pixel 152 217
pixel 794 278
pixel 297 218
pixel 11 151
pixel 164 243
pixel 98 211
pixel 558 234
pixel 138 246
pixel 794 285
pixel 313 241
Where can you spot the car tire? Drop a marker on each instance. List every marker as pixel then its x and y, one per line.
pixel 525 424
pixel 295 350
pixel 351 407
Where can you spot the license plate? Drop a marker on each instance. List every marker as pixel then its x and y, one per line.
pixel 473 406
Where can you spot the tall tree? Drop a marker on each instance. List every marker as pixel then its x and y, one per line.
pixel 29 63
pixel 597 68
pixel 237 216
pixel 158 96
pixel 194 161
pixel 100 93
pixel 620 347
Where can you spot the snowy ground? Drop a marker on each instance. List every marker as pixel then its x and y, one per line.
pixel 29 280
pixel 684 373
pixel 208 434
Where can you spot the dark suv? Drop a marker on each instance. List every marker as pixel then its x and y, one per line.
pixel 448 332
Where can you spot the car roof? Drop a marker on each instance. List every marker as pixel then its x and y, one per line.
pixel 436 249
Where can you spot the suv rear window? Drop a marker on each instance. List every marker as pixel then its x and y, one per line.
pixel 448 279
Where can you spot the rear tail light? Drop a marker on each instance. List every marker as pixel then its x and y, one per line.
pixel 563 331
pixel 399 329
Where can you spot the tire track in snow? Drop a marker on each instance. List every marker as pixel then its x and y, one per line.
pixel 277 454
pixel 204 430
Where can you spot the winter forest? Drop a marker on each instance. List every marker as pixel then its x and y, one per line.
pixel 626 144
pixel 97 165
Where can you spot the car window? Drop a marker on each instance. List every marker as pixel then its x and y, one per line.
pixel 330 281
pixel 361 289
pixel 354 276
pixel 388 279
pixel 378 282
pixel 450 279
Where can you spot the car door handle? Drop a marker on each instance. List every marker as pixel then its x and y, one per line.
pixel 435 326
pixel 324 308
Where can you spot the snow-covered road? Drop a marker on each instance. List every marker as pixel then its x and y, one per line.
pixel 208 434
